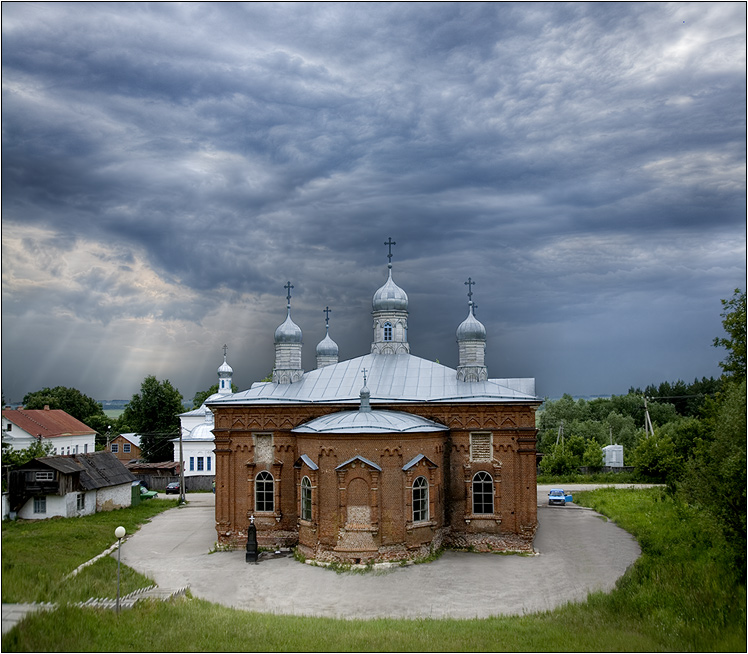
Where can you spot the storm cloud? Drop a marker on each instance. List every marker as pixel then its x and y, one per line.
pixel 166 168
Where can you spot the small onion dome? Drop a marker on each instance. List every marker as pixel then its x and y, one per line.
pixel 225 368
pixel 390 296
pixel 288 332
pixel 471 329
pixel 327 347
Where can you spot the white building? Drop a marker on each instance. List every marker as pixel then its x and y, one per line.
pixel 67 435
pixel 198 457
pixel 69 486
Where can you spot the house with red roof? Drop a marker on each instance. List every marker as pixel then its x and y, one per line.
pixel 21 427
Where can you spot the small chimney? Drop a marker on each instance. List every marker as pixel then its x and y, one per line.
pixel 46 407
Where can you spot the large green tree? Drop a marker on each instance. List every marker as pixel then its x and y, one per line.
pixel 733 320
pixel 154 414
pixel 70 400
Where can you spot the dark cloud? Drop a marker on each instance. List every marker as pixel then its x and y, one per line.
pixel 167 167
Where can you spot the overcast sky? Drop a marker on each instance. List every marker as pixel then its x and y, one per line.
pixel 167 168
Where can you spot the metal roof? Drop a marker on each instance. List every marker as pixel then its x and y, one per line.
pixel 359 458
pixel 390 378
pixel 49 423
pixel 369 422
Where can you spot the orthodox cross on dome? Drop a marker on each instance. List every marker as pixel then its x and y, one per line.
pixel 389 243
pixel 327 311
pixel 364 370
pixel 475 306
pixel 470 283
pixel 288 287
pixel 225 348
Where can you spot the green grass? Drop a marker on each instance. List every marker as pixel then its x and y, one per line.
pixel 679 596
pixel 39 554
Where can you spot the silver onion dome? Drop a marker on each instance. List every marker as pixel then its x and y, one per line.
pixel 288 332
pixel 471 329
pixel 327 347
pixel 225 368
pixel 390 296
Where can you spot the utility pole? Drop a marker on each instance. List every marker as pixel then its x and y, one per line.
pixel 561 436
pixel 181 469
pixel 648 429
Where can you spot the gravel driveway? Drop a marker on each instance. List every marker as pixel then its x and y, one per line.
pixel 578 551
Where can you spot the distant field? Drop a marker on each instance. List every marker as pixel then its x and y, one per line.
pixel 113 413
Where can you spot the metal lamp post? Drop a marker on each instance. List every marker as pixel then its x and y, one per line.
pixel 119 532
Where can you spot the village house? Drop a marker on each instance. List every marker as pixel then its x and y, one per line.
pixel 69 486
pixel 126 447
pixel 67 435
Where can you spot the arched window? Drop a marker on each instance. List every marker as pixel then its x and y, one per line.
pixel 482 493
pixel 388 331
pixel 306 499
pixel 264 500
pixel 420 500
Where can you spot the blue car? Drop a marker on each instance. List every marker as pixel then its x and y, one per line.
pixel 557 496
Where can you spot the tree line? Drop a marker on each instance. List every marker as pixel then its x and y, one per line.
pixel 698 444
pixel 153 413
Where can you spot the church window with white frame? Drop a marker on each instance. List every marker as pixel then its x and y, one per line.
pixel 388 331
pixel 264 492
pixel 420 500
pixel 482 493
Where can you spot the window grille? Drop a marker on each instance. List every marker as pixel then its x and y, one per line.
pixel 264 487
pixel 40 505
pixel 420 500
pixel 115 448
pixel 387 331
pixel 482 493
pixel 126 448
pixel 306 499
pixel 199 463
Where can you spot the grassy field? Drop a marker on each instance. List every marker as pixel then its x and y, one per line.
pixel 39 554
pixel 679 596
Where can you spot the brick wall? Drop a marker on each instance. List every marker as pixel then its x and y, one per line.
pixel 364 512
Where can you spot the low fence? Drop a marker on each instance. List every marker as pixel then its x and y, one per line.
pixel 192 483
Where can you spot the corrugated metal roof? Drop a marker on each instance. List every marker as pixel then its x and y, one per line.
pixel 390 378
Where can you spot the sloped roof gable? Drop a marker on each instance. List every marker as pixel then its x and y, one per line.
pixel 97 469
pixel 49 423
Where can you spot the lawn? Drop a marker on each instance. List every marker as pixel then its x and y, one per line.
pixel 679 596
pixel 37 555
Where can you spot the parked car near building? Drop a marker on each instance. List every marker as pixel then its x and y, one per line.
pixel 146 494
pixel 172 488
pixel 557 496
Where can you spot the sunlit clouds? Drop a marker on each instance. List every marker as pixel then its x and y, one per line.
pixel 168 167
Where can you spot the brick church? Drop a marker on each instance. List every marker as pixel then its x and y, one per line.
pixel 386 456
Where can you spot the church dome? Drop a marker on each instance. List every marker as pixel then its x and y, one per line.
pixel 225 368
pixel 327 347
pixel 471 329
pixel 390 296
pixel 288 332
